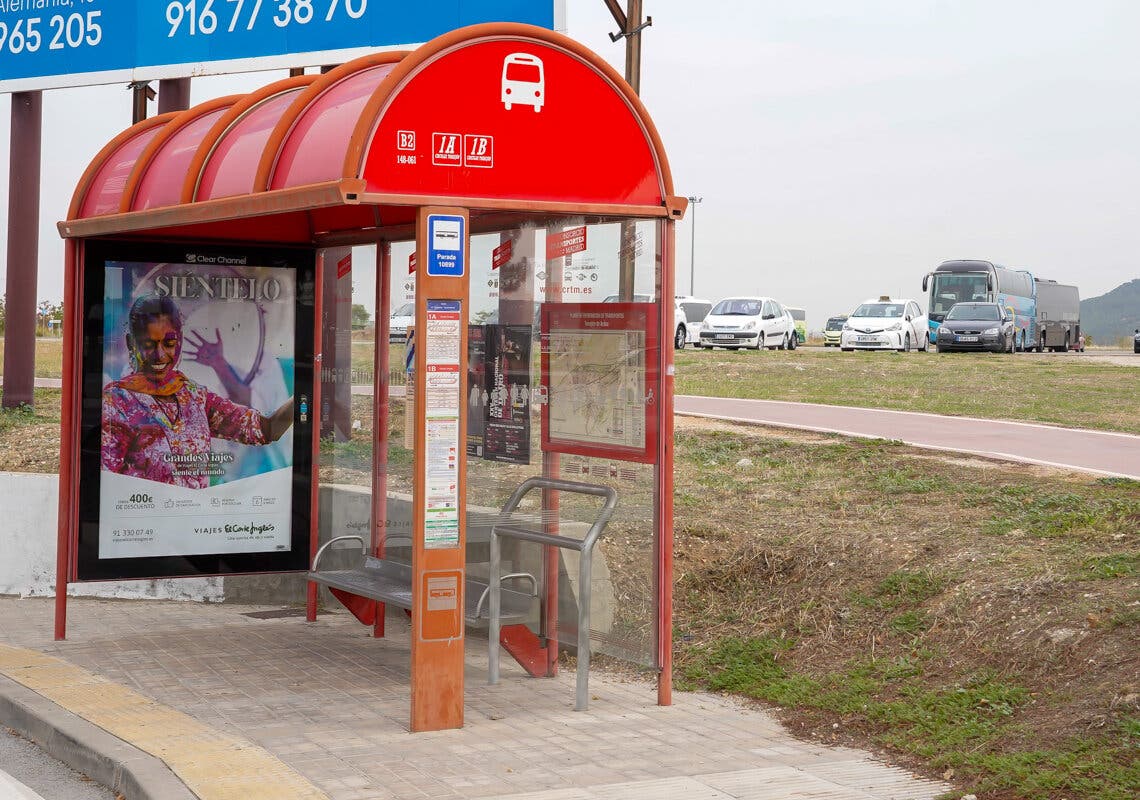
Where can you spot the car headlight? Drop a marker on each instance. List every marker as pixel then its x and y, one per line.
pixel 896 327
pixel 943 330
pixel 991 332
pixel 750 326
pixel 845 327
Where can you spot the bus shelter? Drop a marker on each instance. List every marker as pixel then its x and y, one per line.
pixel 229 407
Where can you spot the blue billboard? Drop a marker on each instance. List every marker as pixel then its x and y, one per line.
pixel 55 43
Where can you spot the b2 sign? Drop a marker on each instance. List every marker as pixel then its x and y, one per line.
pixel 47 44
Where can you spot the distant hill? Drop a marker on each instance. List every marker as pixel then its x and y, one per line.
pixel 1112 315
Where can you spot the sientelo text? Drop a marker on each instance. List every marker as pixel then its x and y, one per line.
pixel 217 287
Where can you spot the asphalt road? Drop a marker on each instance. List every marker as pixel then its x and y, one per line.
pixel 28 773
pixel 1100 452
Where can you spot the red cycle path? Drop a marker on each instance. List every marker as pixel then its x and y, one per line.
pixel 1100 452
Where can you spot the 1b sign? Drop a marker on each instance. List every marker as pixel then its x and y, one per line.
pixel 446 241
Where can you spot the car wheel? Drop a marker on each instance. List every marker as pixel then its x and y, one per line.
pixel 793 342
pixel 906 345
pixel 679 338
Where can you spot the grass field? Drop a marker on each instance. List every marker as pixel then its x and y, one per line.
pixel 1069 391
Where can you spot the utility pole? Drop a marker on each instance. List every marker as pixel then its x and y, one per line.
pixel 23 248
pixel 630 26
pixel 693 249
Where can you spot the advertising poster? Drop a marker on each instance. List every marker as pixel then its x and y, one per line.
pixel 507 434
pixel 600 379
pixel 197 408
pixel 477 394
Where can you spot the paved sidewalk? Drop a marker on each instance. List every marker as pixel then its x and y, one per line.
pixel 217 693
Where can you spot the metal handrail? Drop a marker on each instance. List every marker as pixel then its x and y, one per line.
pixel 487 592
pixel 328 544
pixel 585 546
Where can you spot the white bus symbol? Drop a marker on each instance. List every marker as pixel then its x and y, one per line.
pixel 523 81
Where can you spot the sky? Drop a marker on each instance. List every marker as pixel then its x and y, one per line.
pixel 841 149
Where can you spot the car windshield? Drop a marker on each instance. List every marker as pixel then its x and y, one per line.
pixel 737 307
pixel 956 288
pixel 695 311
pixel 879 310
pixel 834 324
pixel 978 311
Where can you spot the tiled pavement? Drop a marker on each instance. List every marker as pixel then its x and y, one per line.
pixel 331 704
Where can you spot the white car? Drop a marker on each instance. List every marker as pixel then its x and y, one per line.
pixel 398 323
pixel 887 323
pixel 688 317
pixel 754 322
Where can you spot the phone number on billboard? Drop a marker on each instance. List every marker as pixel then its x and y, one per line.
pixel 59 32
pixel 206 16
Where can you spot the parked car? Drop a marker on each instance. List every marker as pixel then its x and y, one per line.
pixel 754 322
pixel 832 330
pixel 794 338
pixel 398 323
pixel 887 323
pixel 688 316
pixel 976 326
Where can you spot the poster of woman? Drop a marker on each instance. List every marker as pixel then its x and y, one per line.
pixel 197 408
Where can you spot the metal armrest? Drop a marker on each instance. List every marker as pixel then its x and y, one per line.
pixel 329 543
pixel 487 592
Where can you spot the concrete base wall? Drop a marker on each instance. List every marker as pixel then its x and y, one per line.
pixel 28 544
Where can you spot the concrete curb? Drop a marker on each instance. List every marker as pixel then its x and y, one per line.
pixel 87 748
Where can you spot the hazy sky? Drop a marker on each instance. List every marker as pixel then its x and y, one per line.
pixel 842 148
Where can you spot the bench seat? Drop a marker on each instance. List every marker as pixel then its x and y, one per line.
pixel 390 582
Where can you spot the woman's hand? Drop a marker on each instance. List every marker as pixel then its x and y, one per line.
pixel 274 426
pixel 212 354
pixel 206 352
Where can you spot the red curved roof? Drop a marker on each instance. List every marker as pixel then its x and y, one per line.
pixel 499 116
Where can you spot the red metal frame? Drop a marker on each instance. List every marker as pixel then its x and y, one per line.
pixel 381 385
pixel 69 424
pixel 315 410
pixel 663 480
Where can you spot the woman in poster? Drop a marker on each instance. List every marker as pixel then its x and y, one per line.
pixel 157 423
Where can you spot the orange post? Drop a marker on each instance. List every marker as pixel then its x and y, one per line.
pixel 439 481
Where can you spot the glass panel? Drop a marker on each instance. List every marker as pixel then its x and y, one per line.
pixel 514 275
pixel 579 266
pixel 348 339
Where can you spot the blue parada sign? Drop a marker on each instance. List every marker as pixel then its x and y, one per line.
pixel 55 43
pixel 446 240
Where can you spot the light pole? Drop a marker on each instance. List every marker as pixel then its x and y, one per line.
pixel 693 250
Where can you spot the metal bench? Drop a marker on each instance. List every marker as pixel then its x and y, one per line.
pixel 510 527
pixel 390 582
